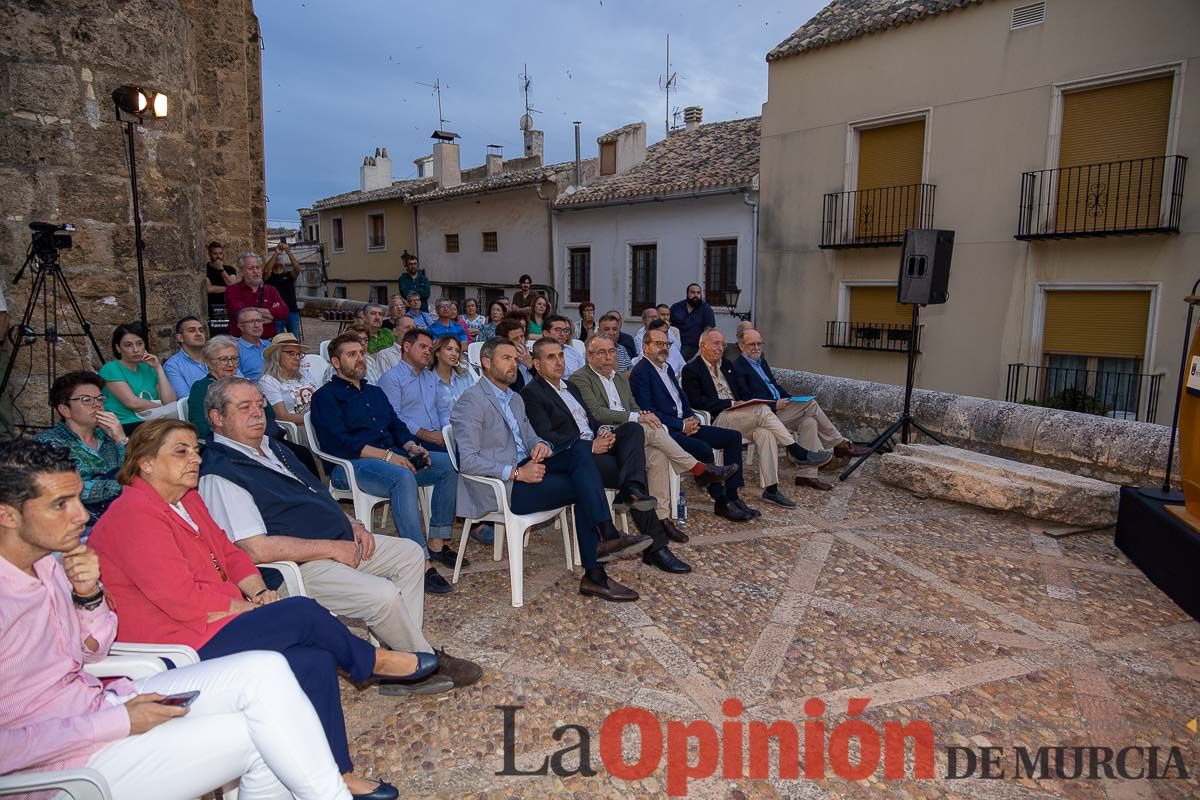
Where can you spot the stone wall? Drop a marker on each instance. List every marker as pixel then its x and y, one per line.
pixel 63 156
pixel 1130 453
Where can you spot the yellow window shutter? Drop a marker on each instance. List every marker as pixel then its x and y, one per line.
pixel 1092 323
pixel 888 158
pixel 877 305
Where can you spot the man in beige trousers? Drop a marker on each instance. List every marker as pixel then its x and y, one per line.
pixel 607 396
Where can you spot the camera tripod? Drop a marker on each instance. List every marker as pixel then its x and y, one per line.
pixel 49 284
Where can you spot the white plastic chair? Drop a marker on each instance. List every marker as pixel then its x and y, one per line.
pixel 290 430
pixel 78 784
pixel 473 354
pixel 579 346
pixel 293 579
pixel 181 408
pixel 325 350
pixel 364 503
pixel 516 528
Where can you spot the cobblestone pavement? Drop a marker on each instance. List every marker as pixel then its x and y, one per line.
pixel 974 621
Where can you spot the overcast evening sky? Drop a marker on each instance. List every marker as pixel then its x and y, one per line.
pixel 341 77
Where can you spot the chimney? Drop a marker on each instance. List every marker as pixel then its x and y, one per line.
pixel 424 166
pixel 494 164
pixel 446 165
pixel 376 171
pixel 623 149
pixel 533 144
pixel 692 116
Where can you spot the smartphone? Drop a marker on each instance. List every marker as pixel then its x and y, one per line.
pixel 182 700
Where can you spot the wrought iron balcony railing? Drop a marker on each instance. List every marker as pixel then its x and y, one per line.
pixel 870 336
pixel 875 217
pixel 1121 395
pixel 1142 195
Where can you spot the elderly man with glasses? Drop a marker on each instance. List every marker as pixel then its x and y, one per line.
pixel 445 325
pixel 251 343
pixel 253 292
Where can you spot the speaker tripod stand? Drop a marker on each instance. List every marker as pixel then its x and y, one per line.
pixel 905 421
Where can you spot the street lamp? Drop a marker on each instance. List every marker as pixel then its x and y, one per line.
pixel 134 104
pixel 732 295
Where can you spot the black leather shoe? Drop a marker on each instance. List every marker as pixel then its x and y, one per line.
pixel 673 532
pixel 778 498
pixel 384 791
pixel 435 583
pixel 621 546
pixel 714 474
pixel 727 510
pixel 745 509
pixel 610 590
pixel 633 498
pixel 446 557
pixel 665 560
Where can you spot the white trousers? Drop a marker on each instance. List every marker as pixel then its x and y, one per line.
pixel 251 721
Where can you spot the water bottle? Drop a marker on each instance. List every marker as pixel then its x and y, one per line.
pixel 681 509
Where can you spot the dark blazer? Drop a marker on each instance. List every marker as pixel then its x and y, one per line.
pixel 652 395
pixel 702 390
pixel 747 385
pixel 549 415
pixel 625 340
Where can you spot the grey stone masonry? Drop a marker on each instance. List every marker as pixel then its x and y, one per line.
pixel 1116 451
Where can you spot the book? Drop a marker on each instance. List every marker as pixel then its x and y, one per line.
pixel 803 399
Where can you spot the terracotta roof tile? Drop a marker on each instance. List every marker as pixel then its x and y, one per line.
pixel 843 20
pixel 505 180
pixel 612 136
pixel 399 190
pixel 714 155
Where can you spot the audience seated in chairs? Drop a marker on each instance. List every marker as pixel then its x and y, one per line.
pixel 559 329
pixel 606 395
pixel 753 380
pixel 134 380
pixel 708 382
pixel 286 383
pixel 378 337
pixel 674 356
pixel 354 420
pixel 446 324
pixel 423 319
pixel 610 328
pixel 276 510
pixel 249 721
pixel 390 356
pixel 92 436
pixel 623 339
pixel 187 365
pixel 656 389
pixel 452 374
pixel 513 328
pixel 251 343
pixel 494 439
pixel 557 414
pixel 496 312
pixel 178 579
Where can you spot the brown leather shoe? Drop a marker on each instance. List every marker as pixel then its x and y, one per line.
pixel 673 532
pixel 614 592
pixel 850 450
pixel 459 670
pixel 621 546
pixel 814 483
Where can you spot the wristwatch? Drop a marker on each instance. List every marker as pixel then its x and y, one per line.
pixel 92 601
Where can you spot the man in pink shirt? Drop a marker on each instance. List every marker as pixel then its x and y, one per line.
pixel 250 721
pixel 253 292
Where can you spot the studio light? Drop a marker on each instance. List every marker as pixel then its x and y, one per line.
pixel 134 105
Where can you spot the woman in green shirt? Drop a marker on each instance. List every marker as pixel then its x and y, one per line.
pixel 537 316
pixel 134 380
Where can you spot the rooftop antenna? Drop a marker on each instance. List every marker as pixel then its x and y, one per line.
pixel 526 84
pixel 437 90
pixel 675 113
pixel 668 81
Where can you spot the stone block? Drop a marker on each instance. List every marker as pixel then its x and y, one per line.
pixel 51 89
pixel 950 473
pixel 84 197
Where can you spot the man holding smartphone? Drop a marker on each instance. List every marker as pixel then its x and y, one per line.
pixel 249 720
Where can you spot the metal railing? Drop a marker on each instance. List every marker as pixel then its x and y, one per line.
pixel 1141 195
pixel 1120 395
pixel 875 217
pixel 885 336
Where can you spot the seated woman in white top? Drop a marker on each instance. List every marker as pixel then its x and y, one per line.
pixel 286 382
pixel 453 377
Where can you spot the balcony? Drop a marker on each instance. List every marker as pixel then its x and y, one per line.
pixel 875 217
pixel 1142 195
pixel 884 336
pixel 1120 395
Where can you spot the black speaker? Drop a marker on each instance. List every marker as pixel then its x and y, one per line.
pixel 925 267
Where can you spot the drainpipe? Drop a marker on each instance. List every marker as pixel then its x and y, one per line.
pixel 578 165
pixel 416 234
pixel 753 254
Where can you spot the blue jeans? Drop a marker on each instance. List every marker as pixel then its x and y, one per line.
pixel 399 485
pixel 292 323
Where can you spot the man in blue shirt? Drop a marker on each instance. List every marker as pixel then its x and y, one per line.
pixel 422 318
pixel 445 325
pixel 692 316
pixel 251 344
pixel 187 366
pixel 355 421
pixel 411 388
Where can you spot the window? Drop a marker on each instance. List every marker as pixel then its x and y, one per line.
pixel 608 158
pixel 378 293
pixel 720 270
pixel 339 241
pixel 643 277
pixel 579 274
pixel 376 235
pixel 490 243
pixel 890 163
pixel 339 292
pixel 451 242
pixel 876 321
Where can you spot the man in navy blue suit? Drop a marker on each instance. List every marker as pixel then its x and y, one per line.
pixel 753 379
pixel 656 388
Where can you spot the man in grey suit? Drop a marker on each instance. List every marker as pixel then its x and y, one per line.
pixel 493 438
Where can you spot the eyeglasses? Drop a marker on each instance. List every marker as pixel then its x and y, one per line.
pixel 87 400
pixel 226 360
pixel 293 353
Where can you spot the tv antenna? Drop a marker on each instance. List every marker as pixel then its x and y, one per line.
pixel 668 81
pixel 675 113
pixel 437 90
pixel 526 84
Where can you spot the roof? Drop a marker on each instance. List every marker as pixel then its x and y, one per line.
pixel 612 136
pixel 714 155
pixel 399 190
pixel 494 183
pixel 843 20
